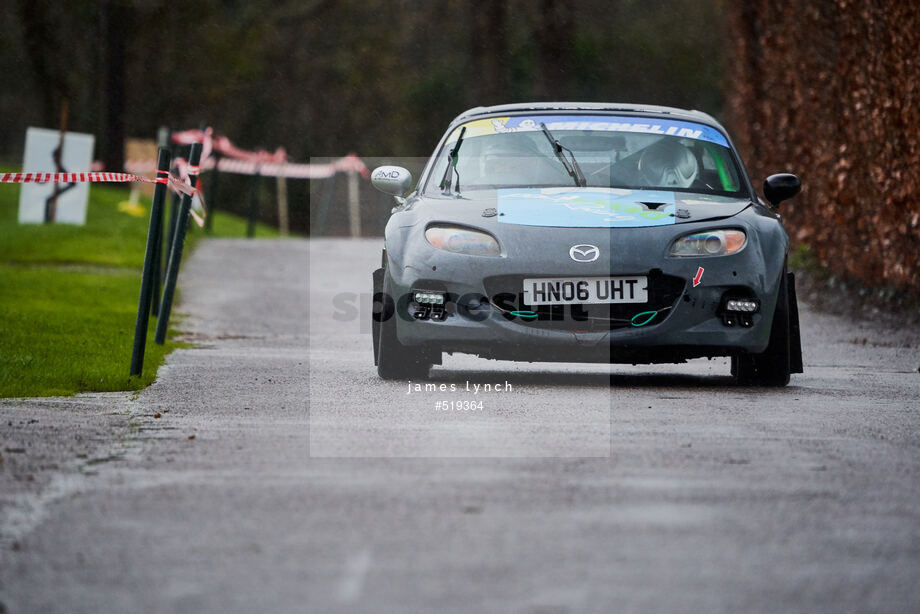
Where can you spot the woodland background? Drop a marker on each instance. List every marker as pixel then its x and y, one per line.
pixel 827 89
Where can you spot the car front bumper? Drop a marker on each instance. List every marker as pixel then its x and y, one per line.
pixel 692 327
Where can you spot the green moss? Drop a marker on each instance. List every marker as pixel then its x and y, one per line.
pixel 803 258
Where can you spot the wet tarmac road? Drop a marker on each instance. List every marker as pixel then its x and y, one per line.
pixel 311 485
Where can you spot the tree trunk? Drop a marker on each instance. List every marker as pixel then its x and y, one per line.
pixel 115 17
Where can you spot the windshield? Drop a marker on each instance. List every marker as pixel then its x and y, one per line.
pixel 611 151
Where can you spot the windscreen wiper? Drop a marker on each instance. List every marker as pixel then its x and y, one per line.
pixel 452 164
pixel 570 164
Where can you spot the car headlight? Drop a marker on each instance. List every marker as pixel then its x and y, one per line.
pixel 709 243
pixel 463 241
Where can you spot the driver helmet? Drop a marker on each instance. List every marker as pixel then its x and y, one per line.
pixel 667 163
pixel 504 155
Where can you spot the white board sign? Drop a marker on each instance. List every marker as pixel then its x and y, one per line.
pixel 76 157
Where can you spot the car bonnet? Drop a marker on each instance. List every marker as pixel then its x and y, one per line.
pixel 582 207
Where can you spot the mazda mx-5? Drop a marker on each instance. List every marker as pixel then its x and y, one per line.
pixel 583 232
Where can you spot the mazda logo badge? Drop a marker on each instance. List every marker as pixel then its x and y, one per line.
pixel 584 253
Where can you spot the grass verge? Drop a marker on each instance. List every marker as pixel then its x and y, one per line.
pixel 68 297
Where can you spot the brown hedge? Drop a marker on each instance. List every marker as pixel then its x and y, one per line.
pixel 830 90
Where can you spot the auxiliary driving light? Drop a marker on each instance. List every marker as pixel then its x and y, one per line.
pixel 429 305
pixel 741 305
pixel 429 298
pixel 739 311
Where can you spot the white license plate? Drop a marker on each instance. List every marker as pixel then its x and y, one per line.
pixel 585 290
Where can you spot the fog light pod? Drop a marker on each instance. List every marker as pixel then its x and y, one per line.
pixel 429 304
pixel 739 311
pixel 740 305
pixel 427 297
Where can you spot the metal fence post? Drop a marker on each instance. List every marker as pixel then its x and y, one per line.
pixel 212 201
pixel 253 205
pixel 328 192
pixel 283 220
pixel 143 305
pixel 354 204
pixel 177 244
pixel 162 141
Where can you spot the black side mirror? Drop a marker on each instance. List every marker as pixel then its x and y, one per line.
pixel 780 187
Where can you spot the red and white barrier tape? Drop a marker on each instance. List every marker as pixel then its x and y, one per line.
pixel 163 177
pixel 205 137
pixel 293 171
pixel 239 161
pixel 94 177
pixel 69 177
pixel 187 171
pixel 245 167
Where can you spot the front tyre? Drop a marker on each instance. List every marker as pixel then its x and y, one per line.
pixel 394 360
pixel 773 366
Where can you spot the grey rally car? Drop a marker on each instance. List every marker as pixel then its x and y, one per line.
pixel 583 232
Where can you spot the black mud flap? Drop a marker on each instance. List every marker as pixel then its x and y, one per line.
pixel 795 338
pixel 377 310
